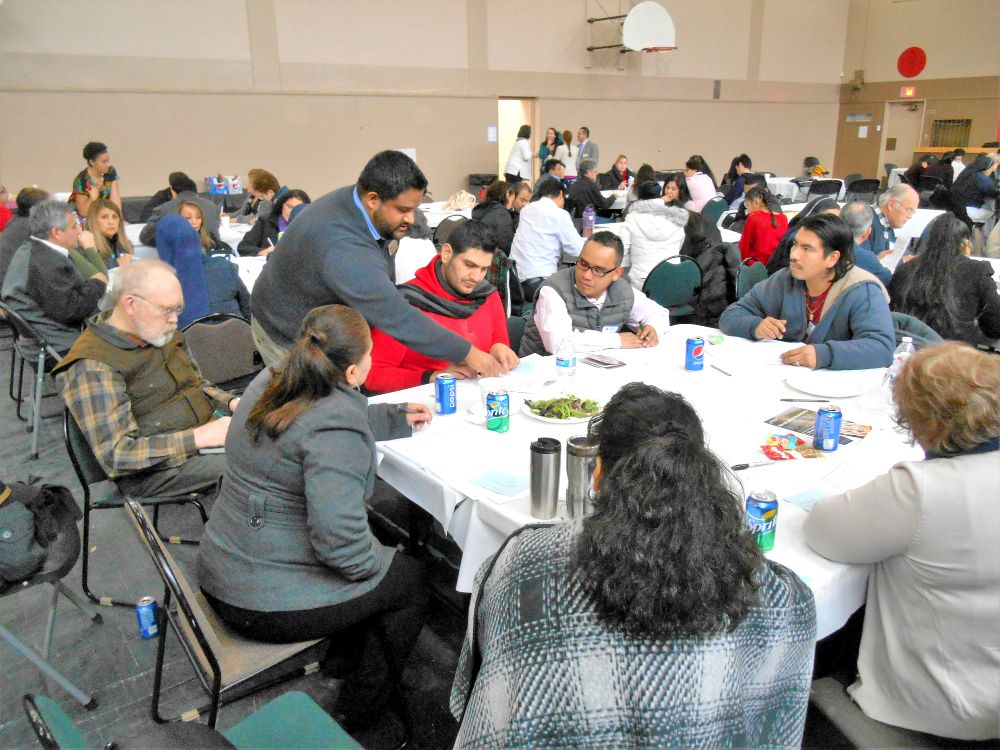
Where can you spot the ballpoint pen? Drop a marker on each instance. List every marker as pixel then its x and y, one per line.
pixel 751 465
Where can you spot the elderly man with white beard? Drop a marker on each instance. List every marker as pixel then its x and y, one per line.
pixel 138 395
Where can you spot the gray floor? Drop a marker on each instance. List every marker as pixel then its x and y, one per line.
pixel 115 664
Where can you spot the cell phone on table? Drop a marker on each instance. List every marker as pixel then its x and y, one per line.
pixel 602 360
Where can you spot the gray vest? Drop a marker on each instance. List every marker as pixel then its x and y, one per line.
pixel 584 314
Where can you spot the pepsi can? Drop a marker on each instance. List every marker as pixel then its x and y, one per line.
pixel 694 356
pixel 762 517
pixel 145 613
pixel 498 411
pixel 826 437
pixel 445 399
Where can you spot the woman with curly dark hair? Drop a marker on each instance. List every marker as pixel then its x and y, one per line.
pixel 653 622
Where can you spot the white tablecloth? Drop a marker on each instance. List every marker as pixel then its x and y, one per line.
pixel 435 213
pixel 896 176
pixel 437 468
pixel 621 199
pixel 249 267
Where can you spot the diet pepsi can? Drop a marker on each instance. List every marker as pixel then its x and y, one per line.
pixel 694 357
pixel 498 411
pixel 445 399
pixel 762 517
pixel 145 613
pixel 826 437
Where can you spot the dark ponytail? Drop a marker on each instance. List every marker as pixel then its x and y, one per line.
pixel 759 191
pixel 332 338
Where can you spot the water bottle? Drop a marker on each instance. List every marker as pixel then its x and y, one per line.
pixel 588 221
pixel 903 352
pixel 566 359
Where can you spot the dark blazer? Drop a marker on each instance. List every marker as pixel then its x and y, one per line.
pixel 289 529
pixel 974 294
pixel 226 291
pixel 585 192
pixel 256 240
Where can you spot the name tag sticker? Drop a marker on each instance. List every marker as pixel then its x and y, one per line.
pixel 609 329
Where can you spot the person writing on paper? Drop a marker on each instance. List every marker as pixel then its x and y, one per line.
pixel 894 208
pixel 662 578
pixel 137 394
pixel 593 305
pixel 288 554
pixel 453 292
pixel 930 654
pixel 823 299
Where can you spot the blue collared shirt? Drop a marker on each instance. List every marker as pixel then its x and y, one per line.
pixel 371 227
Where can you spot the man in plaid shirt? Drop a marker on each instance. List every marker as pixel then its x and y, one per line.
pixel 137 394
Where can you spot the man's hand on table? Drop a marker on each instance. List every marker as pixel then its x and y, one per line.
pixel 802 356
pixel 631 341
pixel 769 329
pixel 647 334
pixel 461 372
pixel 211 434
pixel 505 356
pixel 483 364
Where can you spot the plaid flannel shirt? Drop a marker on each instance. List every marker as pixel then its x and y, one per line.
pixel 97 399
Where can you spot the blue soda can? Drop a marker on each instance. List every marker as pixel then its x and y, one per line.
pixel 694 357
pixel 762 517
pixel 445 399
pixel 827 433
pixel 145 613
pixel 498 411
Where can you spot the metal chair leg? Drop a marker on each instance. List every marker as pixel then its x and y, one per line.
pixel 91 613
pixel 36 404
pixel 20 390
pixel 51 624
pixel 47 669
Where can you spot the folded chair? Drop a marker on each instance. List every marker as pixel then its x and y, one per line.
pixel 28 340
pixel 63 552
pixel 89 472
pixel 292 720
pixel 222 659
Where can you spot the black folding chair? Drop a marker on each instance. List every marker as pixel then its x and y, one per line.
pixel 34 349
pixel 223 347
pixel 89 471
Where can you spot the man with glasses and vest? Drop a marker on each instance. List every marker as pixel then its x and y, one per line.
pixel 138 395
pixel 593 305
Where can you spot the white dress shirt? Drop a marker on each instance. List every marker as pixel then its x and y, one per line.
pixel 555 325
pixel 544 233
pixel 61 250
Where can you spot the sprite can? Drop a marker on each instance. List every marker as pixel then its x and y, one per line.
pixel 762 517
pixel 498 411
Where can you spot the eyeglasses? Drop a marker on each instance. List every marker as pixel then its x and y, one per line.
pixel 167 311
pixel 909 211
pixel 596 270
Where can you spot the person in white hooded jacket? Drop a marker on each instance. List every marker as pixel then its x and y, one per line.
pixel 653 231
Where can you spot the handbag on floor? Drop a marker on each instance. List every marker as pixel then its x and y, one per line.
pixel 27 525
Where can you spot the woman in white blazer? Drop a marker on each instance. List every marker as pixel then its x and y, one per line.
pixel 930 646
pixel 653 231
pixel 519 162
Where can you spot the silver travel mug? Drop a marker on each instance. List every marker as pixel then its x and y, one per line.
pixel 545 456
pixel 581 454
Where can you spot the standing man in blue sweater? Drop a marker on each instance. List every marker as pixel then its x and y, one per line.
pixel 340 251
pixel 839 311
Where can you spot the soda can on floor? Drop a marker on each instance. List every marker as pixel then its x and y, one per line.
pixel 445 398
pixel 762 517
pixel 498 411
pixel 145 613
pixel 694 356
pixel 827 434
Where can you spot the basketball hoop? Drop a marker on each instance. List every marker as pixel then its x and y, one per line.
pixel 659 49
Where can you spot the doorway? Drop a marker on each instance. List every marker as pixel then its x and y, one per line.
pixel 512 113
pixel 901 132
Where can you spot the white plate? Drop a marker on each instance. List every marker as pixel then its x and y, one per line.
pixel 525 409
pixel 833 383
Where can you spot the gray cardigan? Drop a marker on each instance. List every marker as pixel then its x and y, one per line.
pixel 289 530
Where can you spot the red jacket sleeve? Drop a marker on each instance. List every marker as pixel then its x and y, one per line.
pixel 387 372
